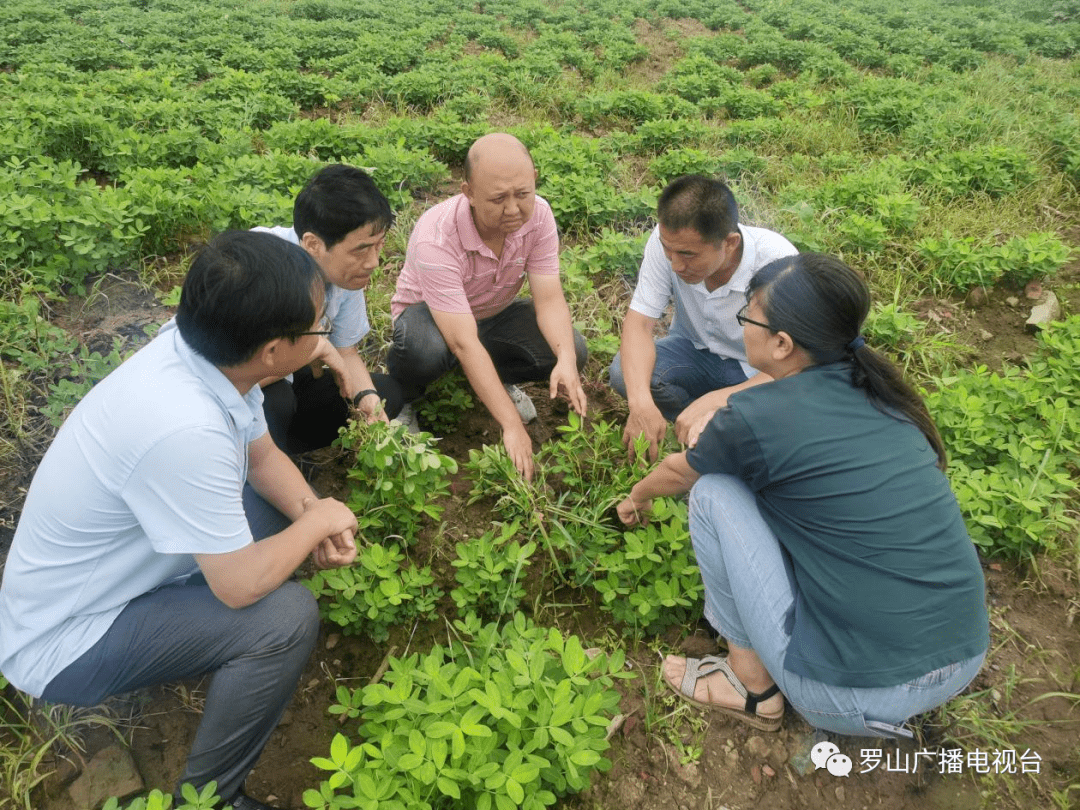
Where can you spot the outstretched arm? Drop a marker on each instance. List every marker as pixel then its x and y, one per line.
pixel 371 406
pixel 459 332
pixel 553 318
pixel 673 476
pixel 638 352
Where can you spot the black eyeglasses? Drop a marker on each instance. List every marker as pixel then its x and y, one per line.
pixel 740 316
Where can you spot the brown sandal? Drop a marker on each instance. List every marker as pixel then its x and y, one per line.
pixel 698 668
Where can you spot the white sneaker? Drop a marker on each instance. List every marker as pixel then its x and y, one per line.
pixel 525 408
pixel 407 417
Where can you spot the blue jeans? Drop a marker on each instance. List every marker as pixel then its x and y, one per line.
pixel 419 355
pixel 749 599
pixel 256 654
pixel 682 374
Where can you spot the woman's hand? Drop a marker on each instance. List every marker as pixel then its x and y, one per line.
pixel 632 512
pixel 693 433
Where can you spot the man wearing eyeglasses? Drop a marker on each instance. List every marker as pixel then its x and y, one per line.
pixel 702 259
pixel 134 562
pixel 341 219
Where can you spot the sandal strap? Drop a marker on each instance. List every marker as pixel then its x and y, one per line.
pixel 697 668
pixel 754 698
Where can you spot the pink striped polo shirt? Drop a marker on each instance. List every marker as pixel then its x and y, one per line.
pixel 448 266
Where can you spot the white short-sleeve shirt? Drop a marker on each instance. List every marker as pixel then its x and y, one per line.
pixel 706 318
pixel 146 472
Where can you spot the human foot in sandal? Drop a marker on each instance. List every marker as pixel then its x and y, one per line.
pixel 709 683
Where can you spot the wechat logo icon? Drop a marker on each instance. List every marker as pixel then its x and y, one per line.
pixel 827 755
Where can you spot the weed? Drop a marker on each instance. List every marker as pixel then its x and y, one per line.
pixel 28 733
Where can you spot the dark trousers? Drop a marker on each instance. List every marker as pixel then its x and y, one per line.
pixel 306 413
pixel 512 338
pixel 256 655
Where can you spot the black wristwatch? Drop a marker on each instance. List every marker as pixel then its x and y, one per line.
pixel 361 395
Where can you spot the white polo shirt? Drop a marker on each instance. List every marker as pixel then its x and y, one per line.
pixel 706 318
pixel 146 471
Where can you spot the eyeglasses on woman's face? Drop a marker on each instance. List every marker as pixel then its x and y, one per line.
pixel 740 316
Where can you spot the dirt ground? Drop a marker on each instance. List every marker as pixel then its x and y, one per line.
pixel 667 755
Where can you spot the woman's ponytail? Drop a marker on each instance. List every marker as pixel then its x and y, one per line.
pixel 822 303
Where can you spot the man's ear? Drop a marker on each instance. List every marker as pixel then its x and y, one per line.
pixel 733 240
pixel 312 244
pixel 269 351
pixel 466 190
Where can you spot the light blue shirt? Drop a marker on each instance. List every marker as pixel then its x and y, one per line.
pixel 346 310
pixel 146 472
pixel 706 318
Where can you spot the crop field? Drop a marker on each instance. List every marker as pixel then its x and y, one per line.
pixel 495 644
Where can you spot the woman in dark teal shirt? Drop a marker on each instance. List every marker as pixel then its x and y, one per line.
pixel 833 553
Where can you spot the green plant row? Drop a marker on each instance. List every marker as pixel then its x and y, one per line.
pixel 133 130
pixel 960 264
pixel 1012 439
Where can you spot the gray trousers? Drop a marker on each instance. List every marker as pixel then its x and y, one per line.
pixel 256 655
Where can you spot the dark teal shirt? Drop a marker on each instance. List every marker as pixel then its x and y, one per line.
pixel 888 585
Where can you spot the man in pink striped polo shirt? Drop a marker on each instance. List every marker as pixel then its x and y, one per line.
pixel 456 298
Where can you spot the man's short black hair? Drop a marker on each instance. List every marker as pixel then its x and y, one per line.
pixel 337 201
pixel 243 289
pixel 701 203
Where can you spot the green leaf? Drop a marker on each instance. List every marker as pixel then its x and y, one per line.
pixel 457 744
pixel 561 736
pixel 480 730
pixel 417 742
pixel 574 658
pixel 585 758
pixel 525 773
pixel 448 788
pixel 367 785
pixel 426 772
pixel 514 791
pixel 437 750
pixel 440 729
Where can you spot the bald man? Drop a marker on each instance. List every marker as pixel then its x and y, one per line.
pixel 456 298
